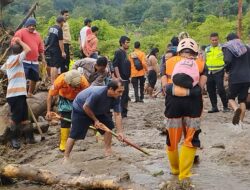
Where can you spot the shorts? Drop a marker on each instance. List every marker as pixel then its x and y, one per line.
pixel 239 90
pixel 18 108
pixel 189 106
pixel 56 59
pixel 152 78
pixel 183 117
pixel 31 71
pixel 65 124
pixel 81 123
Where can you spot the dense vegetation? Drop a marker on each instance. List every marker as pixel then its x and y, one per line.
pixel 151 22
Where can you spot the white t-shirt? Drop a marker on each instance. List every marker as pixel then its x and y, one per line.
pixel 83 36
pixel 16 75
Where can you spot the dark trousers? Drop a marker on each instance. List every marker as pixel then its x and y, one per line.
pixel 65 65
pixel 124 99
pixel 216 81
pixel 135 82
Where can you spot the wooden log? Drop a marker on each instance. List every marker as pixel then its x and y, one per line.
pixel 38 105
pixel 30 173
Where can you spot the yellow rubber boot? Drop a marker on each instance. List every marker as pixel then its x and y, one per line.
pixel 173 157
pixel 187 155
pixel 64 137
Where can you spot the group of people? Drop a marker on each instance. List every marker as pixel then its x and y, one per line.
pixel 183 81
pixel 94 86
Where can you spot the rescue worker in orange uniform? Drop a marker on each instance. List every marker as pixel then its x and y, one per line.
pixel 138 70
pixel 67 86
pixel 183 111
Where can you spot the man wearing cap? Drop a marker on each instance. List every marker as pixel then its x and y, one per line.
pixel 66 40
pixel 94 70
pixel 85 31
pixel 56 48
pixel 32 38
pixel 67 86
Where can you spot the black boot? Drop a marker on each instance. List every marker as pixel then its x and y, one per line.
pixel 213 110
pixel 14 135
pixel 15 143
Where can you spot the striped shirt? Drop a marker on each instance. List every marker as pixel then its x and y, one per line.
pixel 16 75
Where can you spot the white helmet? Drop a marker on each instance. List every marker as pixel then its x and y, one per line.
pixel 188 43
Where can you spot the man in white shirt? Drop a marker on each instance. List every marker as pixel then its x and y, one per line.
pixel 86 30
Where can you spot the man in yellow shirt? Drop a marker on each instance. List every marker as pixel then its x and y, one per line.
pixel 138 70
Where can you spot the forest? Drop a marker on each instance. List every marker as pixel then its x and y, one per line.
pixel 153 23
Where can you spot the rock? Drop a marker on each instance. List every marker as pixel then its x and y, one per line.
pixel 218 145
pixel 158 173
pixel 124 177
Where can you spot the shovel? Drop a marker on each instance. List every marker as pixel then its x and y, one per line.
pixel 55 115
pixel 37 125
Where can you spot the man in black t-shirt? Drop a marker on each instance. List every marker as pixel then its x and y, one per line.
pixel 122 68
pixel 237 67
pixel 55 48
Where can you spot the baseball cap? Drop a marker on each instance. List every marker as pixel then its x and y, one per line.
pixel 60 19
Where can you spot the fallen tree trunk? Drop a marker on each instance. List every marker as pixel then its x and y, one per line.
pixel 30 173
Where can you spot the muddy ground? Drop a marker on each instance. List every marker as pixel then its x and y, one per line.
pixel 224 159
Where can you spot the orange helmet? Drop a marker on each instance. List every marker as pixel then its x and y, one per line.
pixel 188 43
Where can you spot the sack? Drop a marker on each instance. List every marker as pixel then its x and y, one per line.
pixel 138 64
pixel 64 105
pixel 186 73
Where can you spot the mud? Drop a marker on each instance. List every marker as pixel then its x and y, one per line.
pixel 224 158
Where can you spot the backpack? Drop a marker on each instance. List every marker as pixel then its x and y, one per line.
pixel 137 62
pixel 186 73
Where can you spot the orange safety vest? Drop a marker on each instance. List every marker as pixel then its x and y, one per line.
pixel 141 56
pixel 170 64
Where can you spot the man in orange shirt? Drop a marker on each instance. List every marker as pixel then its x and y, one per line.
pixel 138 69
pixel 67 86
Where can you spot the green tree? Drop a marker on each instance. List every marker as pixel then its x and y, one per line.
pixel 158 11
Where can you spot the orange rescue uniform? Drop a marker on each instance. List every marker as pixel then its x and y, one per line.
pixel 142 57
pixel 182 116
pixel 60 87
